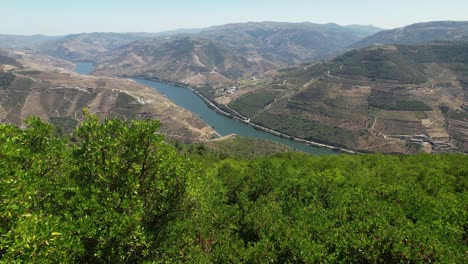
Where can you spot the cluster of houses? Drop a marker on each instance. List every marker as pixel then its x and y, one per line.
pixel 231 90
pixel 436 144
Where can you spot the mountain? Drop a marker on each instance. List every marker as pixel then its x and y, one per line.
pixel 420 33
pixel 225 54
pixel 20 42
pixel 83 46
pixel 288 43
pixel 185 59
pixel 372 99
pixel 32 84
pixel 87 46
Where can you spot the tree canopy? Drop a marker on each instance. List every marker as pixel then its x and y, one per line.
pixel 102 196
pixel 115 192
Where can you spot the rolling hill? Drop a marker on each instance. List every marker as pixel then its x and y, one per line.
pixel 184 59
pixel 32 84
pixel 87 46
pixel 288 43
pixel 372 99
pixel 225 54
pixel 420 33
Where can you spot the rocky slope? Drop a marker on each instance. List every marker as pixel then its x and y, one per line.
pixel 33 84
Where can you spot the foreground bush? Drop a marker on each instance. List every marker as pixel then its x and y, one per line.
pixel 114 192
pixel 105 196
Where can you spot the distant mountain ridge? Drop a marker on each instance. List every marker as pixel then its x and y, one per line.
pixel 229 52
pixel 420 33
pixel 180 59
pixel 288 43
pixel 86 46
pixel 21 42
pixel 326 39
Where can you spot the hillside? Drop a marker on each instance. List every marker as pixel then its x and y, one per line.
pixel 86 46
pixel 183 59
pixel 420 33
pixel 373 99
pixel 288 43
pixel 224 54
pixel 236 147
pixel 35 85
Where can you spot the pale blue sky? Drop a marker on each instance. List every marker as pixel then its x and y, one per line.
pixel 56 17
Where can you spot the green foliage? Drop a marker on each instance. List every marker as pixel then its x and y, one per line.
pixel 114 192
pixel 249 104
pixel 105 199
pixel 294 208
pixel 395 99
pixel 400 105
pixel 380 64
pixel 126 105
pixel 64 124
pixel 6 78
pixel 236 147
pixel 420 115
pixel 295 125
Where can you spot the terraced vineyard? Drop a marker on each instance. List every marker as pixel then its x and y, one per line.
pixel 58 95
pixel 372 99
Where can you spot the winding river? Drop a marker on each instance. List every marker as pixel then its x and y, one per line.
pixel 185 98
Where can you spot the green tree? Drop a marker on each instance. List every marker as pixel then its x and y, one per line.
pixel 104 199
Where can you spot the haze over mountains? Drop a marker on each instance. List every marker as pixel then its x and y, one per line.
pixel 232 51
pixel 301 78
pixel 232 140
pixel 228 53
pixel 421 33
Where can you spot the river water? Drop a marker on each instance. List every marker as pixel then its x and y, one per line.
pixel 223 125
pixel 85 68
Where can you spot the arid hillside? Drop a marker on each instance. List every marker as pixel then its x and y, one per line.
pixel 222 55
pixel 36 85
pixel 180 59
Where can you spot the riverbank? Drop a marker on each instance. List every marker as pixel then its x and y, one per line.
pixel 245 120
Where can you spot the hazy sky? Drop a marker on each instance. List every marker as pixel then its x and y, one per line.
pixel 56 17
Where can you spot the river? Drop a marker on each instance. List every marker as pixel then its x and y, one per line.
pixel 85 68
pixel 185 98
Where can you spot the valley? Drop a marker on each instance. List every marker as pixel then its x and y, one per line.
pixel 222 55
pixel 308 82
pixel 374 99
pixel 234 132
pixel 36 85
pixel 226 125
